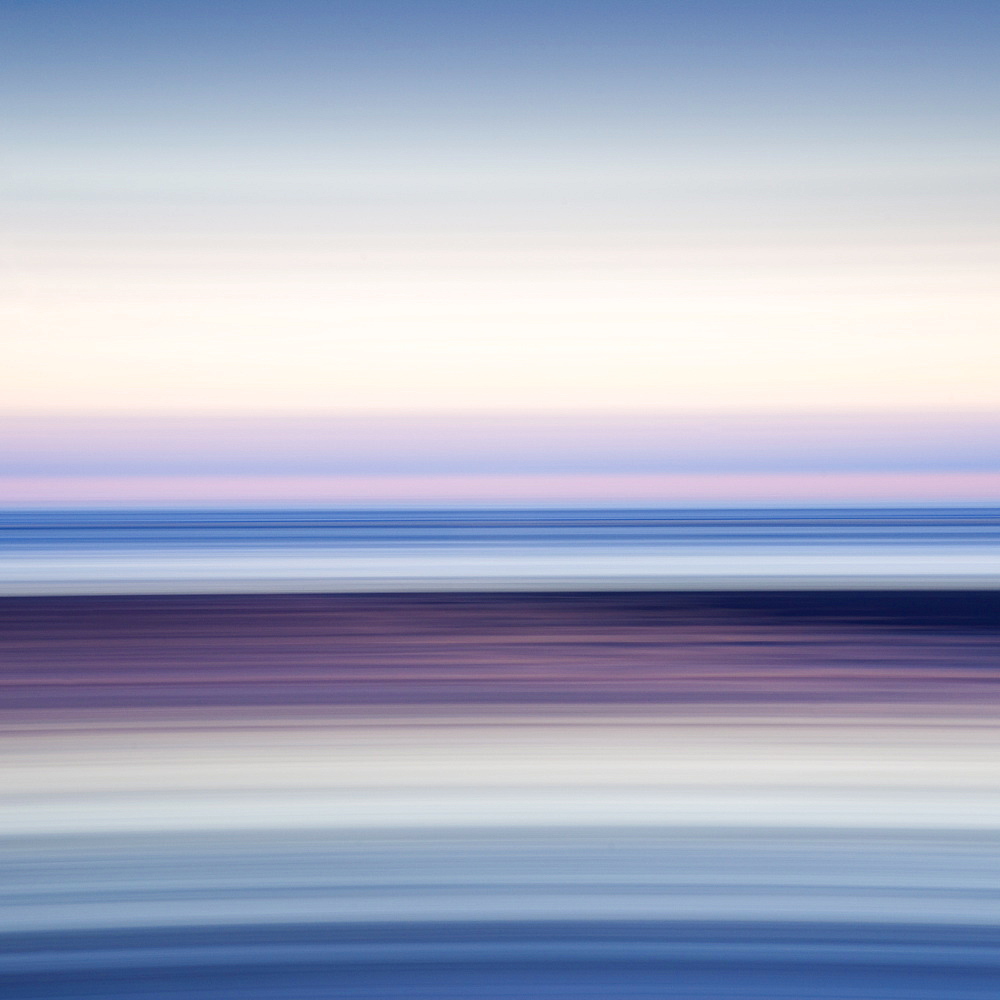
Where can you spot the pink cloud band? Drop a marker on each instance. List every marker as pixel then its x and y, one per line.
pixel 614 490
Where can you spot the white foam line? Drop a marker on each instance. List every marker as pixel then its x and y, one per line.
pixel 249 570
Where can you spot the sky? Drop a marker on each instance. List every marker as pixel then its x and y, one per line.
pixel 505 209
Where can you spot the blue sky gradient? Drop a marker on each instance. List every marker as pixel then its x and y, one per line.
pixel 266 209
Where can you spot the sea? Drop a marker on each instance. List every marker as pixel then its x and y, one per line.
pixel 240 550
pixel 682 754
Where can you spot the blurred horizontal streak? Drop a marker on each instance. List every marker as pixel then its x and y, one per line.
pixel 617 490
pixel 231 551
pixel 531 958
pixel 506 948
pixel 711 650
pixel 737 794
pixel 363 448
pixel 396 711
